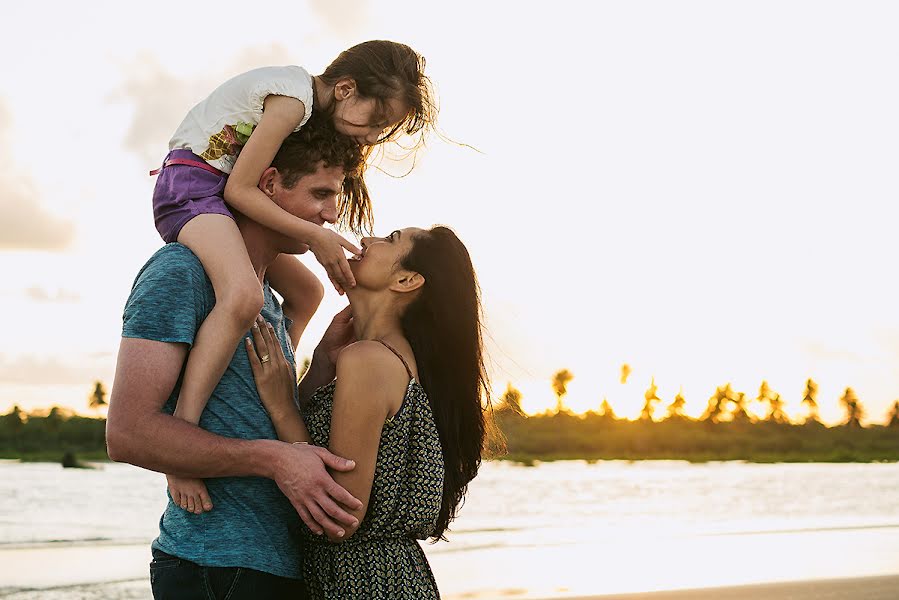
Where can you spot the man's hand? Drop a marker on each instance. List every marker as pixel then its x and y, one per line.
pixel 301 475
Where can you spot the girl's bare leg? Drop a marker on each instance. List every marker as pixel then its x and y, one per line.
pixel 301 289
pixel 217 242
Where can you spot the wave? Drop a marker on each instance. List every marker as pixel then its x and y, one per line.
pixel 801 530
pixel 72 543
pixel 69 590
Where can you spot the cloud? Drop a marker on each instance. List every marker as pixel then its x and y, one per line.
pixel 344 17
pixel 161 100
pixel 39 294
pixel 30 370
pixel 24 224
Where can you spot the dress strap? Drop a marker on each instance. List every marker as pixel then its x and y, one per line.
pixel 399 356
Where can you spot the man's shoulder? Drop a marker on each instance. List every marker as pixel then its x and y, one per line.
pixel 173 259
pixel 174 254
pixel 173 271
pixel 170 297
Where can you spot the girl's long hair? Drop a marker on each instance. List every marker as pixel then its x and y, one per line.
pixel 443 326
pixel 382 70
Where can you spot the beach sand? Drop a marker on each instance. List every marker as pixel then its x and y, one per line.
pixel 862 588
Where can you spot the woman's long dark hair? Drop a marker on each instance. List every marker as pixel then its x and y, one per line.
pixel 443 326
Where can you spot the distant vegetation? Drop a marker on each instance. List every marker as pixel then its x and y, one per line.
pixel 725 431
pixel 50 436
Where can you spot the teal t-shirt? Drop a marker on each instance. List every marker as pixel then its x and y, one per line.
pixel 252 524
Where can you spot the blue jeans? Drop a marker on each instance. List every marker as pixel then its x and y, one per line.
pixel 174 578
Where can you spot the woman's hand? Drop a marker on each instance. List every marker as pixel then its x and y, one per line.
pixel 275 378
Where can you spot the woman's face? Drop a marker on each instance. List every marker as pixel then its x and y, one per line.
pixel 379 264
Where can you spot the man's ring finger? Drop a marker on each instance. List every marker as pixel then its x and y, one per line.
pixel 264 358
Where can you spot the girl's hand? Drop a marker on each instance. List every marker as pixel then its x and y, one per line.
pixel 189 494
pixel 275 379
pixel 328 247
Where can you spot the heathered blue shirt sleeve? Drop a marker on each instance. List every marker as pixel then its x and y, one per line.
pixel 170 297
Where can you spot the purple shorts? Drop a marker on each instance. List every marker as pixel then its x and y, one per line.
pixel 182 192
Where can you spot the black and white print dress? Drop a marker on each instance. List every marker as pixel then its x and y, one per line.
pixel 383 559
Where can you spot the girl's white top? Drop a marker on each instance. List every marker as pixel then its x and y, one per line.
pixel 218 127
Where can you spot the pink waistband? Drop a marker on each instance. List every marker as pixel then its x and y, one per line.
pixel 189 163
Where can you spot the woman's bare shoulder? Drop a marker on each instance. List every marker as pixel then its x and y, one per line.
pixel 368 365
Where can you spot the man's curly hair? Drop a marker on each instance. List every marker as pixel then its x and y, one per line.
pixel 316 142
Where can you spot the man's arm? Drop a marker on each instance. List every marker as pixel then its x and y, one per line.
pixel 138 432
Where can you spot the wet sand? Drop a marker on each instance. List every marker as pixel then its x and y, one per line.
pixel 862 588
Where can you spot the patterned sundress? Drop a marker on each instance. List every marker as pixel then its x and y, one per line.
pixel 383 559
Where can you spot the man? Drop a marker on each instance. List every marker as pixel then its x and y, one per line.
pixel 247 544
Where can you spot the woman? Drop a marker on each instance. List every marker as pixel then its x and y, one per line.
pixel 406 405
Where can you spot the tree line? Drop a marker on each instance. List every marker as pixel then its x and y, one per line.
pixel 725 431
pixel 725 404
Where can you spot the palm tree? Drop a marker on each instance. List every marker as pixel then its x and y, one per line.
pixel 775 404
pixel 810 400
pixel 606 411
pixel 15 419
pixel 739 410
pixel 651 398
pixel 893 415
pixel 854 410
pixel 54 418
pixel 560 387
pixel 676 408
pixel 716 406
pixel 625 372
pixel 97 399
pixel 776 410
pixel 765 393
pixel 510 401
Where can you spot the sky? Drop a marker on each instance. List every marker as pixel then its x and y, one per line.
pixel 703 190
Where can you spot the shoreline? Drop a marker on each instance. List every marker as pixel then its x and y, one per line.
pixel 884 587
pixel 528 460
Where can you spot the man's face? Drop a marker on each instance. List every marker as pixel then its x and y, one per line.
pixel 313 199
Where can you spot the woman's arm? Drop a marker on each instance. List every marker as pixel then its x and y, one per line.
pixel 276 383
pixel 370 387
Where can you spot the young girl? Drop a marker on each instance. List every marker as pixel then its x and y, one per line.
pixel 405 405
pixel 371 92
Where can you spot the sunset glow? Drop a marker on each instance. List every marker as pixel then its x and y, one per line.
pixel 708 205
